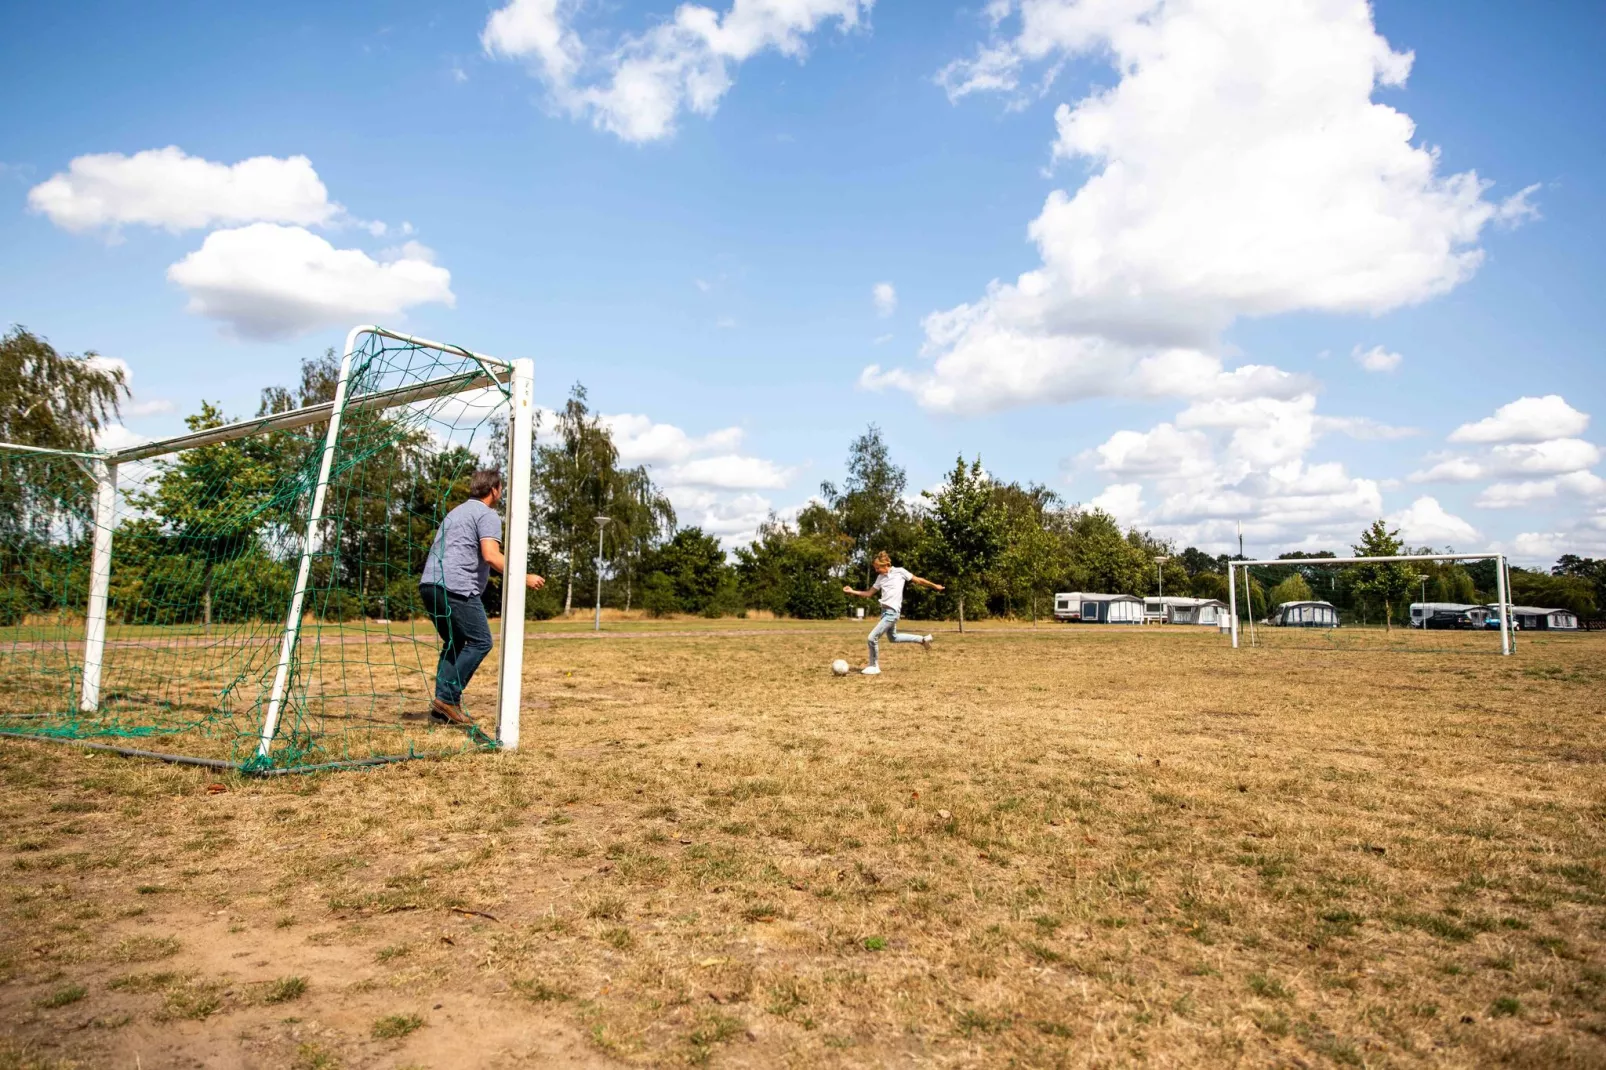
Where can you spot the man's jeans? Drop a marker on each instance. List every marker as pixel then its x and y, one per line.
pixel 465 638
pixel 888 625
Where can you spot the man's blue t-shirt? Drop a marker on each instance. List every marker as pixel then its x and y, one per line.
pixel 455 561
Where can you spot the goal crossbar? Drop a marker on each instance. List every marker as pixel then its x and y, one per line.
pixel 1502 585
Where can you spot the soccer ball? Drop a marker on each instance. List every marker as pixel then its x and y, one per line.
pixel 839 667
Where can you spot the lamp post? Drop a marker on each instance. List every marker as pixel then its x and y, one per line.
pixel 1424 580
pixel 602 522
pixel 1159 575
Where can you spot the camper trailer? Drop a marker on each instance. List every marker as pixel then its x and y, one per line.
pixel 1447 615
pixel 1180 610
pixel 1535 619
pixel 1304 615
pixel 1098 608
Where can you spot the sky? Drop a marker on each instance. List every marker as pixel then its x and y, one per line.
pixel 1289 265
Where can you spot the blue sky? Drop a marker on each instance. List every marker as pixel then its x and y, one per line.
pixel 689 212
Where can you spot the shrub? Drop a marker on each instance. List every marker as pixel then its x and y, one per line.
pixel 13 605
pixel 658 596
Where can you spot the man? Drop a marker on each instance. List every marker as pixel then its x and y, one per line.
pixel 466 548
pixel 890 582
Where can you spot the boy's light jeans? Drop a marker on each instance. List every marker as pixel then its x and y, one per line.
pixel 888 625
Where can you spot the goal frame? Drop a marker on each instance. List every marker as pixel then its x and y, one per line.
pixel 1502 584
pixel 515 378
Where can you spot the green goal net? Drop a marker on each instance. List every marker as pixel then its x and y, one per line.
pixel 246 594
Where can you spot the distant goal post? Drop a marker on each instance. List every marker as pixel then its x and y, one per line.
pixel 147 614
pixel 1502 582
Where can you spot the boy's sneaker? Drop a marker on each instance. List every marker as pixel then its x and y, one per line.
pixel 925 643
pixel 871 670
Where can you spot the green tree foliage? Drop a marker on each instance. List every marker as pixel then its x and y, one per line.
pixel 1569 591
pixel 1036 552
pixel 869 509
pixel 694 565
pixel 55 401
pixel 1293 589
pixel 1385 583
pixel 965 530
pixel 573 481
pixel 1102 559
pixel 794 573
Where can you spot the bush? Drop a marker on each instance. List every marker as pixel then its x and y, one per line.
pixel 542 604
pixel 726 602
pixel 658 596
pixel 397 600
pixel 813 598
pixel 14 605
pixel 337 605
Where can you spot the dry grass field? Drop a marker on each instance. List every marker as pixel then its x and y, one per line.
pixel 1050 847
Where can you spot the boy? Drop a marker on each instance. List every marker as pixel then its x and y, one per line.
pixel 466 548
pixel 890 582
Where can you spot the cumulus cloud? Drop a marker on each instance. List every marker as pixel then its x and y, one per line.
pixel 638 89
pixel 269 281
pixel 729 471
pixel 1426 523
pixel 1225 460
pixel 885 297
pixel 1376 359
pixel 642 440
pixel 1240 168
pixel 170 189
pixel 1527 492
pixel 1528 419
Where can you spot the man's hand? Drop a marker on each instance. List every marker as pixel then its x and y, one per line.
pixel 534 582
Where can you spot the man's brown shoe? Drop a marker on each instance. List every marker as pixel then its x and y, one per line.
pixel 446 713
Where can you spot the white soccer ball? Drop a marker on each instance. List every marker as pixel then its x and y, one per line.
pixel 839 667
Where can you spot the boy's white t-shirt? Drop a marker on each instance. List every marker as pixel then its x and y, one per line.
pixel 891 583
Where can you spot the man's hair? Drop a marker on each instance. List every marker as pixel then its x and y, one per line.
pixel 883 558
pixel 483 482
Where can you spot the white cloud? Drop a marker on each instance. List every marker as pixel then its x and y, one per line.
pixel 1559 455
pixel 167 188
pixel 1426 523
pixel 113 437
pixel 1376 359
pixel 641 440
pixel 729 471
pixel 151 407
pixel 1450 469
pixel 1513 495
pixel 885 297
pixel 733 519
pixel 1226 460
pixel 270 281
pixel 1528 419
pixel 638 89
pixel 1240 168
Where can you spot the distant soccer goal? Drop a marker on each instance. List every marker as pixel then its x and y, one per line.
pixel 1345 601
pixel 246 595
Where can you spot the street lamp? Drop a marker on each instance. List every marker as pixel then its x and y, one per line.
pixel 1159 573
pixel 602 522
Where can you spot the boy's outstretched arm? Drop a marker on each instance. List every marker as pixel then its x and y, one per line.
pixel 926 583
pixel 858 594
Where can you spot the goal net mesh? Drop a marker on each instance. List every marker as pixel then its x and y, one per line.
pixel 207 543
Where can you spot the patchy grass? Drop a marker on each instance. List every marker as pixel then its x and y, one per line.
pixel 1047 847
pixel 396 1026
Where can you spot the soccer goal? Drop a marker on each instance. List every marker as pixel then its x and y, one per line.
pixel 1296 597
pixel 246 595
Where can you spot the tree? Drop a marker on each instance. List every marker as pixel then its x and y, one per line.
pixel 1293 589
pixel 965 530
pixel 1102 559
pixel 869 507
pixel 1034 555
pixel 212 500
pixel 642 517
pixel 695 566
pixel 1387 582
pixel 792 573
pixel 572 481
pixel 53 401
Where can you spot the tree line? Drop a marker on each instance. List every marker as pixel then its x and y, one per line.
pixel 214 535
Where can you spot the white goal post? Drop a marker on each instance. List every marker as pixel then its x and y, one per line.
pixel 513 379
pixel 1502 584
